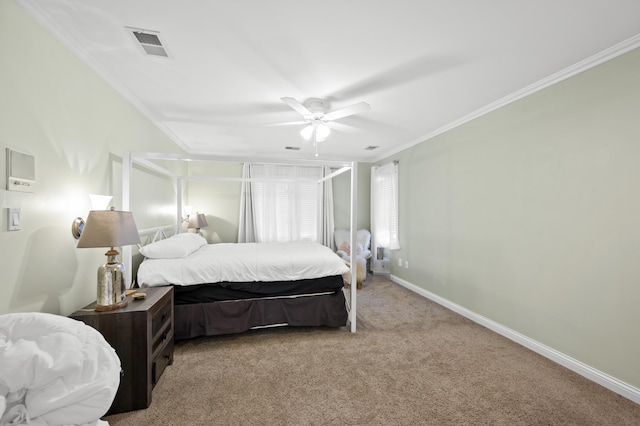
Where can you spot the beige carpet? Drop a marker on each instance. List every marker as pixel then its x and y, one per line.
pixel 411 362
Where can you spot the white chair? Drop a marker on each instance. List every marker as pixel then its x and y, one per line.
pixel 363 252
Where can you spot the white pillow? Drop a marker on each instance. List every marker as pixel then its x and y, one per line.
pixel 175 247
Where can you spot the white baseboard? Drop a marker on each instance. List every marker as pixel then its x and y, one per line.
pixel 609 382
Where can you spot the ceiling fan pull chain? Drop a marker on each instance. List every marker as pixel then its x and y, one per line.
pixel 315 141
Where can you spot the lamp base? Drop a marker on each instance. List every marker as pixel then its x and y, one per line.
pixel 111 286
pixel 103 308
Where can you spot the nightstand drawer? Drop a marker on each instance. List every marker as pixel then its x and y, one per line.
pixel 164 358
pixel 165 335
pixel 161 317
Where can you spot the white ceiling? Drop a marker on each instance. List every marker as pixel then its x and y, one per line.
pixel 422 65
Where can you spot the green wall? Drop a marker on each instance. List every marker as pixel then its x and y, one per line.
pixel 55 108
pixel 219 200
pixel 529 216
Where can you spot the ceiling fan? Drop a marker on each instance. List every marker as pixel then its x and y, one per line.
pixel 319 123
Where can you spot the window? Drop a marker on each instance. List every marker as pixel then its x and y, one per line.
pixel 286 202
pixel 384 206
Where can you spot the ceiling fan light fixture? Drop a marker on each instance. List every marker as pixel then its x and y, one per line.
pixel 307 132
pixel 322 131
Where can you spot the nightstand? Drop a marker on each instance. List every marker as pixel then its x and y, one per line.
pixel 142 335
pixel 380 266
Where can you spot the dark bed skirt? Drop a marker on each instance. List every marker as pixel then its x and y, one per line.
pixel 215 318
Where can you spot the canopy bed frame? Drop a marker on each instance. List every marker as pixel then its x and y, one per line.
pixel 145 160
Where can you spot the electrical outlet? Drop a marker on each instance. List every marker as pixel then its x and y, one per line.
pixel 406 264
pixel 400 263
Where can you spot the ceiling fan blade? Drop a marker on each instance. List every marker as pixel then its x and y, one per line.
pixel 333 125
pixel 344 112
pixel 297 106
pixel 288 123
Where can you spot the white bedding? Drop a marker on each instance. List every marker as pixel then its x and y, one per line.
pixel 244 263
pixel 54 371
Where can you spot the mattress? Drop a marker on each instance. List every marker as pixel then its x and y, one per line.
pixel 242 263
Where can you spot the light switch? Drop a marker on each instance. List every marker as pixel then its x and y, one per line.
pixel 13 220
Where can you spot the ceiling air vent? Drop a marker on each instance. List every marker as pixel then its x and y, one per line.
pixel 149 42
pixel 371 147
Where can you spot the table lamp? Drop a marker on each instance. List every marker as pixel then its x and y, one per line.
pixel 197 221
pixel 110 228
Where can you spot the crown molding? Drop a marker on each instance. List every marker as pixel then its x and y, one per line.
pixel 43 18
pixel 584 65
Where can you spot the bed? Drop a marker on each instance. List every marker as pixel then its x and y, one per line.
pixel 231 288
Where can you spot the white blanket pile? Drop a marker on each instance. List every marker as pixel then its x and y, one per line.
pixel 54 371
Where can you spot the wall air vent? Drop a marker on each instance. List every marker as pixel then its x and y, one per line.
pixel 371 148
pixel 292 148
pixel 149 42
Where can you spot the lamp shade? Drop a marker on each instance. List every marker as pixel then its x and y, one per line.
pixel 197 220
pixel 109 228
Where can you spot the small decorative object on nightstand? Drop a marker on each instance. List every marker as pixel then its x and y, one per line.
pixel 142 335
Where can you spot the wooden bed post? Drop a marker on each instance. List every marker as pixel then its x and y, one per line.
pixel 352 242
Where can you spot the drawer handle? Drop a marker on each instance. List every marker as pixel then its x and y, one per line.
pixel 165 335
pixel 164 316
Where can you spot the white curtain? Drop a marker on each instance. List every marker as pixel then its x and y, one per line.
pixel 384 206
pixel 247 224
pixel 284 203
